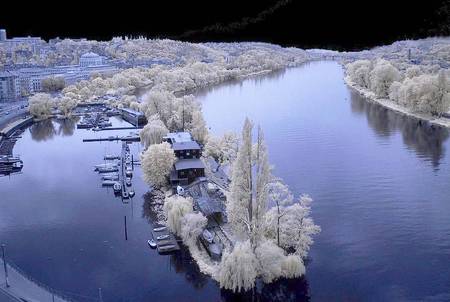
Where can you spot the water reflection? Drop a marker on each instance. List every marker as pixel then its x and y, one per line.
pixel 67 126
pixel 43 130
pixel 283 290
pixel 183 263
pixel 425 139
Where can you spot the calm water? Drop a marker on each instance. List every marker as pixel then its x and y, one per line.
pixel 380 184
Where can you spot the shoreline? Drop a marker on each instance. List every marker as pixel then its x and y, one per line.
pixel 388 104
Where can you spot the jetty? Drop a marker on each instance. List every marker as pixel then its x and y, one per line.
pixel 129 138
pixel 167 243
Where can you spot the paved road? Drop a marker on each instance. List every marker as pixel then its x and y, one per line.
pixel 23 288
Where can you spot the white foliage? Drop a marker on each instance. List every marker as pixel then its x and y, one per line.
pixel 271 258
pixel 157 162
pixel 382 76
pixel 292 267
pixel 192 226
pixel 40 105
pixel 223 149
pixel 176 208
pixel 153 132
pixel 238 268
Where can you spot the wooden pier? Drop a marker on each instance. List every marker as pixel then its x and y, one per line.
pixel 166 245
pixel 114 138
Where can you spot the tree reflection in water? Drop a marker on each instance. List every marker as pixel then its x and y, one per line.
pixel 42 130
pixel 67 126
pixel 425 139
pixel 283 290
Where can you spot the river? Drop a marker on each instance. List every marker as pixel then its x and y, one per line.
pixel 378 179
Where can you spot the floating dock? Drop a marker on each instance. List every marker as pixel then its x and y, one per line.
pixel 166 245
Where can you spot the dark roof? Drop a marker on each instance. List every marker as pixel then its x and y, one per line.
pixel 192 145
pixel 209 206
pixel 193 163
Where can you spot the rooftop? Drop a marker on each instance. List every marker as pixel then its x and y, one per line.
pixel 179 137
pixel 190 145
pixel 90 55
pixel 193 163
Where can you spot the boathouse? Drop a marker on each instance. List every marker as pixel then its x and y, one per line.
pixel 134 117
pixel 188 166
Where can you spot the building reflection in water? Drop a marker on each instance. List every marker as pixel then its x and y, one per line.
pixel 426 140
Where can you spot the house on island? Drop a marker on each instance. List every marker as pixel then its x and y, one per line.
pixel 188 167
pixel 134 117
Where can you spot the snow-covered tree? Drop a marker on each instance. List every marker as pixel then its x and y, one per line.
pixel 192 225
pixel 153 132
pixel 157 162
pixel 239 268
pixel 176 208
pixel 41 105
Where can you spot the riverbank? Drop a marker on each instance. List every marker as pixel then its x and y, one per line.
pixel 391 105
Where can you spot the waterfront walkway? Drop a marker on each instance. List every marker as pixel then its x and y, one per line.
pixel 23 288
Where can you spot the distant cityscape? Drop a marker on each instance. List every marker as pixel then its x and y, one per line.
pixel 25 62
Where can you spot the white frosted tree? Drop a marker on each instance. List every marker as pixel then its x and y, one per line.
pixel 153 132
pixel 239 268
pixel 176 208
pixel 359 72
pixel 279 198
pixel 66 105
pixel 223 149
pixel 292 267
pixel 157 162
pixel 240 201
pixel 297 227
pixel 41 105
pixel 382 76
pixel 270 258
pixel 192 225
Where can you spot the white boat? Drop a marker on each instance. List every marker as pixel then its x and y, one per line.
pixel 108 169
pixel 151 243
pixel 125 195
pixel 106 165
pixel 166 248
pixel 159 229
pixel 208 236
pixel 131 193
pixel 128 181
pixel 117 187
pixel 162 237
pixel 110 177
pixel 108 183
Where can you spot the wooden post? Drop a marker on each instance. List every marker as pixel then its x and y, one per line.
pixel 5 265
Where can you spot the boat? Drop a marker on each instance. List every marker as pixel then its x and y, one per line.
pixel 131 193
pixel 208 236
pixel 108 169
pixel 108 183
pixel 117 187
pixel 106 165
pixel 167 248
pixel 162 237
pixel 151 243
pixel 128 173
pixel 128 181
pixel 111 157
pixel 125 195
pixel 160 229
pixel 110 177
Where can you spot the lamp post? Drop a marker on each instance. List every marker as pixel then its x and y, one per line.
pixel 4 265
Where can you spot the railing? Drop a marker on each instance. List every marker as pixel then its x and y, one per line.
pixel 57 294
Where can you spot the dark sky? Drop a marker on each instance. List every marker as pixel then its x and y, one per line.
pixel 334 24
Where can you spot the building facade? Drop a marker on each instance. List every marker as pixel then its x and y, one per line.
pixel 90 59
pixel 9 86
